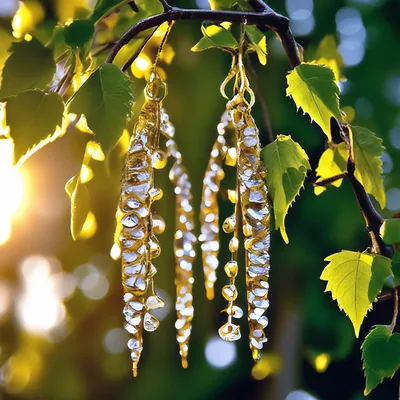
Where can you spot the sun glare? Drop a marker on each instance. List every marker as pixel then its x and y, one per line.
pixel 11 189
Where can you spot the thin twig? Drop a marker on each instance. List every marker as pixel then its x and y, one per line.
pixel 139 50
pixel 61 81
pixel 133 6
pixel 328 181
pixel 268 18
pixel 395 309
pixel 166 6
pixel 373 219
pixel 385 296
pixel 263 105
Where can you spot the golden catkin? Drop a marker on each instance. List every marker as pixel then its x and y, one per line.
pixel 184 243
pixel 137 223
pixel 209 212
pixel 255 222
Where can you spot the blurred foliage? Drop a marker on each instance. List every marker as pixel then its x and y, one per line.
pixel 311 343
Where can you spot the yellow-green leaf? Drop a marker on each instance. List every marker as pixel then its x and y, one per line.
pixel 258 43
pixel 222 4
pixel 380 355
pixel 80 204
pixel 367 151
pixel 215 36
pixel 328 54
pixel 328 49
pixel 355 279
pixel 313 89
pixel 287 164
pixel 333 162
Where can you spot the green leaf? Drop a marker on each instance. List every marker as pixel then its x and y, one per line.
pixel 390 231
pixel 367 151
pixel 287 164
pixel 6 40
pixel 33 117
pixel 355 279
pixel 105 7
pixel 380 355
pixel 215 36
pixel 79 33
pixel 80 204
pixel 222 4
pixel 333 162
pixel 396 268
pixel 258 43
pixel 106 100
pixel 30 66
pixel 313 89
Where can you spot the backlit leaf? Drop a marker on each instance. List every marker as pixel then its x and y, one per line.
pixel 80 204
pixel 287 164
pixel 30 66
pixel 258 43
pixel 222 4
pixel 380 355
pixel 215 36
pixel 390 231
pixel 367 152
pixel 332 162
pixel 355 279
pixel 5 43
pixel 313 89
pixel 328 49
pixel 33 117
pixel 328 54
pixel 106 100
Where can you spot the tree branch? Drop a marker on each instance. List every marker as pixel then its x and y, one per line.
pixel 373 219
pixel 265 17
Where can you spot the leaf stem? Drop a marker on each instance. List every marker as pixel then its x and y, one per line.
pixel 328 181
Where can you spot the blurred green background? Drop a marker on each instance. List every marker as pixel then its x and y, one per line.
pixel 61 302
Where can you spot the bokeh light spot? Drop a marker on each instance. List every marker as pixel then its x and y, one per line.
pixel 220 354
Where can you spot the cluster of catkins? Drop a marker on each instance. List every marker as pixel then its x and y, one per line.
pixel 138 225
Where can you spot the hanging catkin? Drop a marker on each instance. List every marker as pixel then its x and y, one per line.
pixel 138 225
pixel 252 211
pixel 209 212
pixel 184 242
